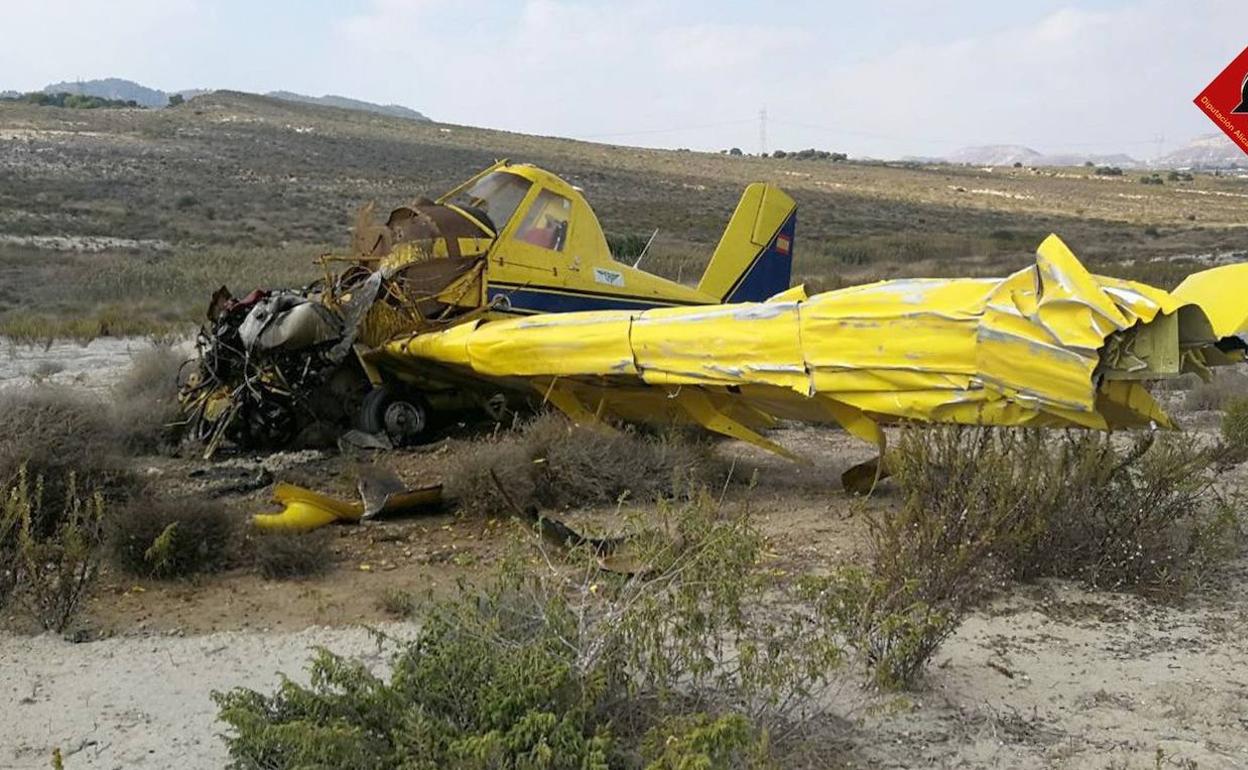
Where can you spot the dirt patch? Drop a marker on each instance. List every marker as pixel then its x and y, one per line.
pixel 145 701
pixel 1048 675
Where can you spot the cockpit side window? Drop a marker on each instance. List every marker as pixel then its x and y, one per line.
pixel 546 224
pixel 495 197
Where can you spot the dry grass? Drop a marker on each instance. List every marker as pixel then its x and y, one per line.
pixel 172 537
pixel 1214 395
pixel 284 556
pixel 62 437
pixel 145 401
pixel 549 462
pixel 397 603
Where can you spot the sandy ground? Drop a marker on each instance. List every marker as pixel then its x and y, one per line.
pixel 92 366
pixel 1049 675
pixel 145 701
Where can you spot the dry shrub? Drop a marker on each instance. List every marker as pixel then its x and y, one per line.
pixel 1213 395
pixel 56 434
pixel 1235 429
pixel 145 401
pixel 1143 517
pixel 576 465
pixel 287 555
pixel 551 462
pixel 981 506
pixel 50 572
pixel 1139 515
pixel 397 603
pixel 172 537
pixel 468 479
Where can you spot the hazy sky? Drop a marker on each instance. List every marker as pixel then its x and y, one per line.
pixel 884 78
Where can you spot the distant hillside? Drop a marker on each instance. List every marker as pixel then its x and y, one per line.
pixel 1009 154
pixel 114 89
pixel 1205 152
pixel 342 102
pixel 995 155
pixel 1078 159
pixel 122 90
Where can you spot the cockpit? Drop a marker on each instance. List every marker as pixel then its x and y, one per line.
pixel 494 198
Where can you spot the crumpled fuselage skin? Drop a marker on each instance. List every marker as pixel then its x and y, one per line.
pixel 1051 345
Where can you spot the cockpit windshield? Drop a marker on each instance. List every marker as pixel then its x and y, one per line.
pixel 496 196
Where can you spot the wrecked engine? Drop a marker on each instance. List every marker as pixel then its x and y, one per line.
pixel 284 367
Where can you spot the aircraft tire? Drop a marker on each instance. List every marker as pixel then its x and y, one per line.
pixel 401 416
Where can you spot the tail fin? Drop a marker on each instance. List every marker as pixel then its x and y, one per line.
pixel 754 258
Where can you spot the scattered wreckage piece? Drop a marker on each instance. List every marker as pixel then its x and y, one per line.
pixel 304 510
pixel 621 555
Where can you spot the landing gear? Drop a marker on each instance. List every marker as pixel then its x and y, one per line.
pixel 402 416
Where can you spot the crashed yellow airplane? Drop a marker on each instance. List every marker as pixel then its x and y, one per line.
pixel 428 310
pixel 1051 345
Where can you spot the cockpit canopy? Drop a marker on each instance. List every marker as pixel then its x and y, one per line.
pixel 494 198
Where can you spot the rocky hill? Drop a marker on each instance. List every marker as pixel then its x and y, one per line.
pixel 127 90
pixel 1211 151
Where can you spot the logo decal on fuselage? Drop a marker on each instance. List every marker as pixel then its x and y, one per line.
pixel 608 277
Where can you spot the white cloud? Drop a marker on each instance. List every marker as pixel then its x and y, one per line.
pixel 69 39
pixel 898 77
pixel 1069 78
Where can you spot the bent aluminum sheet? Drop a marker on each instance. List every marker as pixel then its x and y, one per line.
pixel 1050 345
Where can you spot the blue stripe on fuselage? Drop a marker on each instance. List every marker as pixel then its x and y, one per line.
pixel 534 301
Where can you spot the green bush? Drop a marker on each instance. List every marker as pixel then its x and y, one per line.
pixel 895 631
pixel 172 537
pixel 694 741
pixel 626 247
pixel 567 668
pixel 49 572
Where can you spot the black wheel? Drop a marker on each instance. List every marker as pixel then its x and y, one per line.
pixel 401 416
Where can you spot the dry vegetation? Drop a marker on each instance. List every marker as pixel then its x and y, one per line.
pixel 244 190
pixel 547 462
pixel 285 556
pixel 718 652
pixel 166 537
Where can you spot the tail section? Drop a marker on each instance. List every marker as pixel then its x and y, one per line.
pixel 754 258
